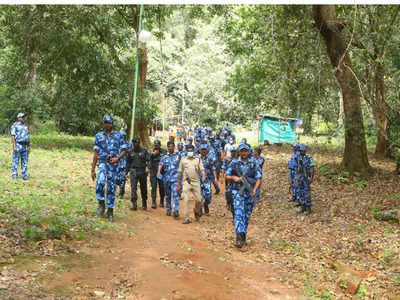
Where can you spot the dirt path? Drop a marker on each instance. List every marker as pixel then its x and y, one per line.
pixel 157 257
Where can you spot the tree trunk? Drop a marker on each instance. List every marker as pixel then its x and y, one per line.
pixel 382 148
pixel 355 157
pixel 141 128
pixel 307 124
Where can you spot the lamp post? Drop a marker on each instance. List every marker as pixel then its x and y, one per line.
pixel 143 37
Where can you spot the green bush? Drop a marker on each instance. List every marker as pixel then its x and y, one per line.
pixel 46 128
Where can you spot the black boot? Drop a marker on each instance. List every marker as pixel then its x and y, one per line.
pixel 239 240
pixel 308 210
pixel 244 239
pixel 110 215
pixel 154 204
pixel 144 204
pixel 101 208
pixel 134 205
pixel 206 209
pixel 217 190
pixel 121 193
pixel 196 215
pixel 298 204
pixel 162 203
pixel 302 209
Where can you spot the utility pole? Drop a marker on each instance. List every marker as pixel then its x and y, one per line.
pixel 132 132
pixel 183 101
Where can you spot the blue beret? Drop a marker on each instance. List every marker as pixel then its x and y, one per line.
pixel 20 115
pixel 243 147
pixel 203 146
pixel 303 147
pixel 108 119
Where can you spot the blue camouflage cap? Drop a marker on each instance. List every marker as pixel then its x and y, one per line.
pixel 243 147
pixel 234 148
pixel 190 138
pixel 21 115
pixel 180 144
pixel 228 128
pixel 122 133
pixel 203 146
pixel 303 147
pixel 108 119
pixel 295 145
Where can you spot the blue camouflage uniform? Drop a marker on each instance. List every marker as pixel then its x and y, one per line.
pixel 209 167
pixel 260 163
pixel 170 164
pixel 228 130
pixel 304 163
pixel 121 175
pixel 243 203
pixel 213 156
pixel 218 151
pixel 228 184
pixel 21 134
pixel 107 146
pixel 292 174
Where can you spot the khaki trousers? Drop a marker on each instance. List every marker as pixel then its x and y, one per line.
pixel 193 188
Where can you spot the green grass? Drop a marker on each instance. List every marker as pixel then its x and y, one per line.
pixel 58 199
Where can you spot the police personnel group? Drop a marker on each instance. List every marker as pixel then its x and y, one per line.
pixel 182 173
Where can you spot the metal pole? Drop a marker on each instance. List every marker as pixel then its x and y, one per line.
pixel 136 75
pixel 183 101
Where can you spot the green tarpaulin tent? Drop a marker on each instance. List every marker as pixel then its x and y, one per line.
pixel 275 129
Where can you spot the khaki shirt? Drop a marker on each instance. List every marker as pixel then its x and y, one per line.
pixel 191 168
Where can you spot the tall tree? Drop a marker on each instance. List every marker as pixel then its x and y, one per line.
pixel 355 158
pixel 374 30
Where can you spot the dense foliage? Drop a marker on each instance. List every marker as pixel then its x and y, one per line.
pixel 205 64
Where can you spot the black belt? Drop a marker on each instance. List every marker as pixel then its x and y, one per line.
pixel 23 143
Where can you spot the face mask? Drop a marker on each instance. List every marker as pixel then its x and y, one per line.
pixel 231 142
pixel 190 154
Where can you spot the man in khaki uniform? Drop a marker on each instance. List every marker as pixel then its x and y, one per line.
pixel 191 166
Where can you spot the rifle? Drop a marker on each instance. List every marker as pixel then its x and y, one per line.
pixel 248 183
pixel 301 169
